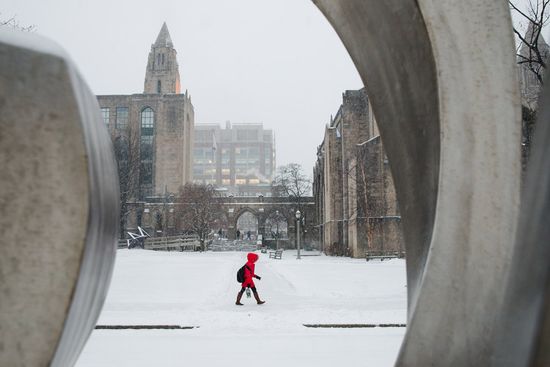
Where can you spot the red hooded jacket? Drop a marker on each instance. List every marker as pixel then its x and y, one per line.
pixel 249 270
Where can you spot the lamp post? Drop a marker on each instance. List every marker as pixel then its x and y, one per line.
pixel 277 219
pixel 298 216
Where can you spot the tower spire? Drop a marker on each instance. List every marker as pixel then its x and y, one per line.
pixel 163 39
pixel 162 74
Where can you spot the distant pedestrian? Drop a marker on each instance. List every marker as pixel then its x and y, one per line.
pixel 238 234
pixel 248 279
pixel 248 235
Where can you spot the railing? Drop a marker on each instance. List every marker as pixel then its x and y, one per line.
pixel 173 243
pixel 246 246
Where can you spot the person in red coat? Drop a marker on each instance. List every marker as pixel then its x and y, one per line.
pixel 249 276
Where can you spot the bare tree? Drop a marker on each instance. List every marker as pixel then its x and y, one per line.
pixel 126 148
pixel 291 181
pixel 532 57
pixel 199 210
pixel 12 22
pixel 529 51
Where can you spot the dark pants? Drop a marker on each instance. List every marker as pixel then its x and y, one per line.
pixel 244 288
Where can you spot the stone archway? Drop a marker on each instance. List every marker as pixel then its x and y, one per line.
pixel 233 226
pixel 277 223
pixel 247 226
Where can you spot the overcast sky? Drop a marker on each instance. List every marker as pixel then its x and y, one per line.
pixel 275 62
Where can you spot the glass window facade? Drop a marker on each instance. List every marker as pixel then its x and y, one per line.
pixel 242 154
pixel 247 135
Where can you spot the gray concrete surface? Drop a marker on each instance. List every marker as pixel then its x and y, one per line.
pixel 523 337
pixel 442 81
pixel 59 194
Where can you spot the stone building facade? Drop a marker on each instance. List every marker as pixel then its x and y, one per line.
pixel 352 185
pixel 154 130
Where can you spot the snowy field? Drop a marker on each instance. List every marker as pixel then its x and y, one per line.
pixel 199 289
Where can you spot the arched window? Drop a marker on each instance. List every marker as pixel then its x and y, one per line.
pixel 162 59
pixel 147 121
pixel 146 172
pixel 158 87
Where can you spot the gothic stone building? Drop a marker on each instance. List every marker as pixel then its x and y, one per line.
pixel 153 131
pixel 352 184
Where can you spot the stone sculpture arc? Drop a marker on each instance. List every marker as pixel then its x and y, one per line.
pixel 442 83
pixel 59 179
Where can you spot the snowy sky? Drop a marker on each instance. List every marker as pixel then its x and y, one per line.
pixel 275 62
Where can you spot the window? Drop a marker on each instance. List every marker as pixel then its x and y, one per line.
pixel 247 135
pixel 146 173
pixel 105 115
pixel 121 118
pixel 146 150
pixel 147 121
pixel 158 87
pixel 204 135
pixel 162 59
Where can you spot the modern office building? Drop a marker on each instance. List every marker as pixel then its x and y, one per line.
pixel 239 158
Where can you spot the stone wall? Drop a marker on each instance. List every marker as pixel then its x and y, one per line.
pixel 173 134
pixel 353 186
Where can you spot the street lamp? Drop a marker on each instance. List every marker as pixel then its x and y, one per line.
pixel 298 216
pixel 277 220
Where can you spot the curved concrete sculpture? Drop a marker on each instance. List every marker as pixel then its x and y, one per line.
pixel 59 196
pixel 524 327
pixel 442 80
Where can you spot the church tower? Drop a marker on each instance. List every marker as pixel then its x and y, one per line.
pixel 162 75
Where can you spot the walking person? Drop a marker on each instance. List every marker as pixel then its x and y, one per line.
pixel 248 281
pixel 238 234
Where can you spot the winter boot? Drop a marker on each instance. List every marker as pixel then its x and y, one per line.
pixel 239 296
pixel 258 300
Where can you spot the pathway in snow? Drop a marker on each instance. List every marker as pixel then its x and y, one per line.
pixel 199 289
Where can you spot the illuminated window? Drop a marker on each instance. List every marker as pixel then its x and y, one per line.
pixel 226 181
pixel 240 181
pixel 253 181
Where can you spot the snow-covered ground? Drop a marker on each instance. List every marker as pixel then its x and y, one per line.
pixel 199 289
